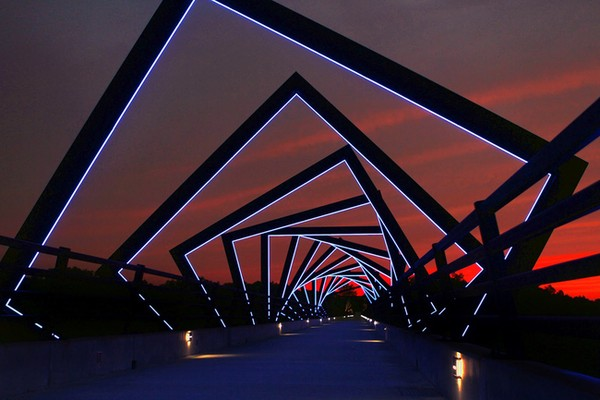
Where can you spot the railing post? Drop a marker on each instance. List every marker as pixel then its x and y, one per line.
pixel 139 274
pixel 439 256
pixel 508 334
pixel 62 259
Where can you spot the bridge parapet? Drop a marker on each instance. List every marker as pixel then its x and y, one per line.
pixel 34 366
pixel 462 371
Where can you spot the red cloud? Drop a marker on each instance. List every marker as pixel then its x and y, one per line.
pixel 376 120
pixel 545 86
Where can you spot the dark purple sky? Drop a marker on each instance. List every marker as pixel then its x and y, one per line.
pixel 536 63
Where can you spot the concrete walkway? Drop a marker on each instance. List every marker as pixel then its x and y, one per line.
pixel 343 360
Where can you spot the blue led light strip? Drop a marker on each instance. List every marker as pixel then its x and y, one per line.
pixel 211 179
pixel 301 221
pixel 310 49
pixel 263 208
pixel 98 154
pixel 386 89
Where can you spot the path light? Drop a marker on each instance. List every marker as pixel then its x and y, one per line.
pixel 458 366
pixel 188 338
pixel 280 326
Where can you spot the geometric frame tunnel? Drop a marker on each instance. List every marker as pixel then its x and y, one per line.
pixel 344 155
pixel 296 86
pixel 326 43
pixel 282 227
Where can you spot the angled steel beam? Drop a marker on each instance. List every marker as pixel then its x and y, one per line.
pixel 385 215
pixel 585 267
pixel 232 262
pixel 582 131
pixel 346 244
pixel 337 270
pixel 311 272
pixel 376 68
pixel 315 272
pixel 325 289
pixel 306 266
pixel 287 266
pixel 206 172
pixel 294 86
pixel 303 265
pixel 376 267
pixel 362 283
pixel 367 277
pixel 180 252
pixel 237 277
pixel 561 183
pixel 261 229
pixel 372 279
pixel 356 277
pixel 245 212
pixel 301 217
pixel 97 130
pixel 365 263
pixel 560 151
pixel 582 203
pixel 306 275
pixel 346 155
pixel 332 285
pixel 389 75
pixel 418 90
pixel 396 260
pixel 327 231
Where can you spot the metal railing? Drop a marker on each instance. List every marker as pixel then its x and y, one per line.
pixel 459 311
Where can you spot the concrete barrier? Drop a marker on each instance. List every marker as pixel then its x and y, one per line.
pixel 24 366
pixel 34 366
pixel 483 377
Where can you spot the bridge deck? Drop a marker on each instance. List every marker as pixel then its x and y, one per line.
pixel 343 360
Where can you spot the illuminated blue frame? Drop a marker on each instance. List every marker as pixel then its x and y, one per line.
pixel 343 52
pixel 345 156
pixel 277 228
pixel 93 137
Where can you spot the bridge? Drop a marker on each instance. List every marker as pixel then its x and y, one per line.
pixel 346 359
pixel 422 331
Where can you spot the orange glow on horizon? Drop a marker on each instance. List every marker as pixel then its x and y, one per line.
pixel 587 287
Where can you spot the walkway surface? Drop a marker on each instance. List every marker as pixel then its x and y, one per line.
pixel 343 360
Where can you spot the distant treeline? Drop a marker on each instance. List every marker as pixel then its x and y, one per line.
pixel 76 302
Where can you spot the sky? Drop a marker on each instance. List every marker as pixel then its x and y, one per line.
pixel 535 63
